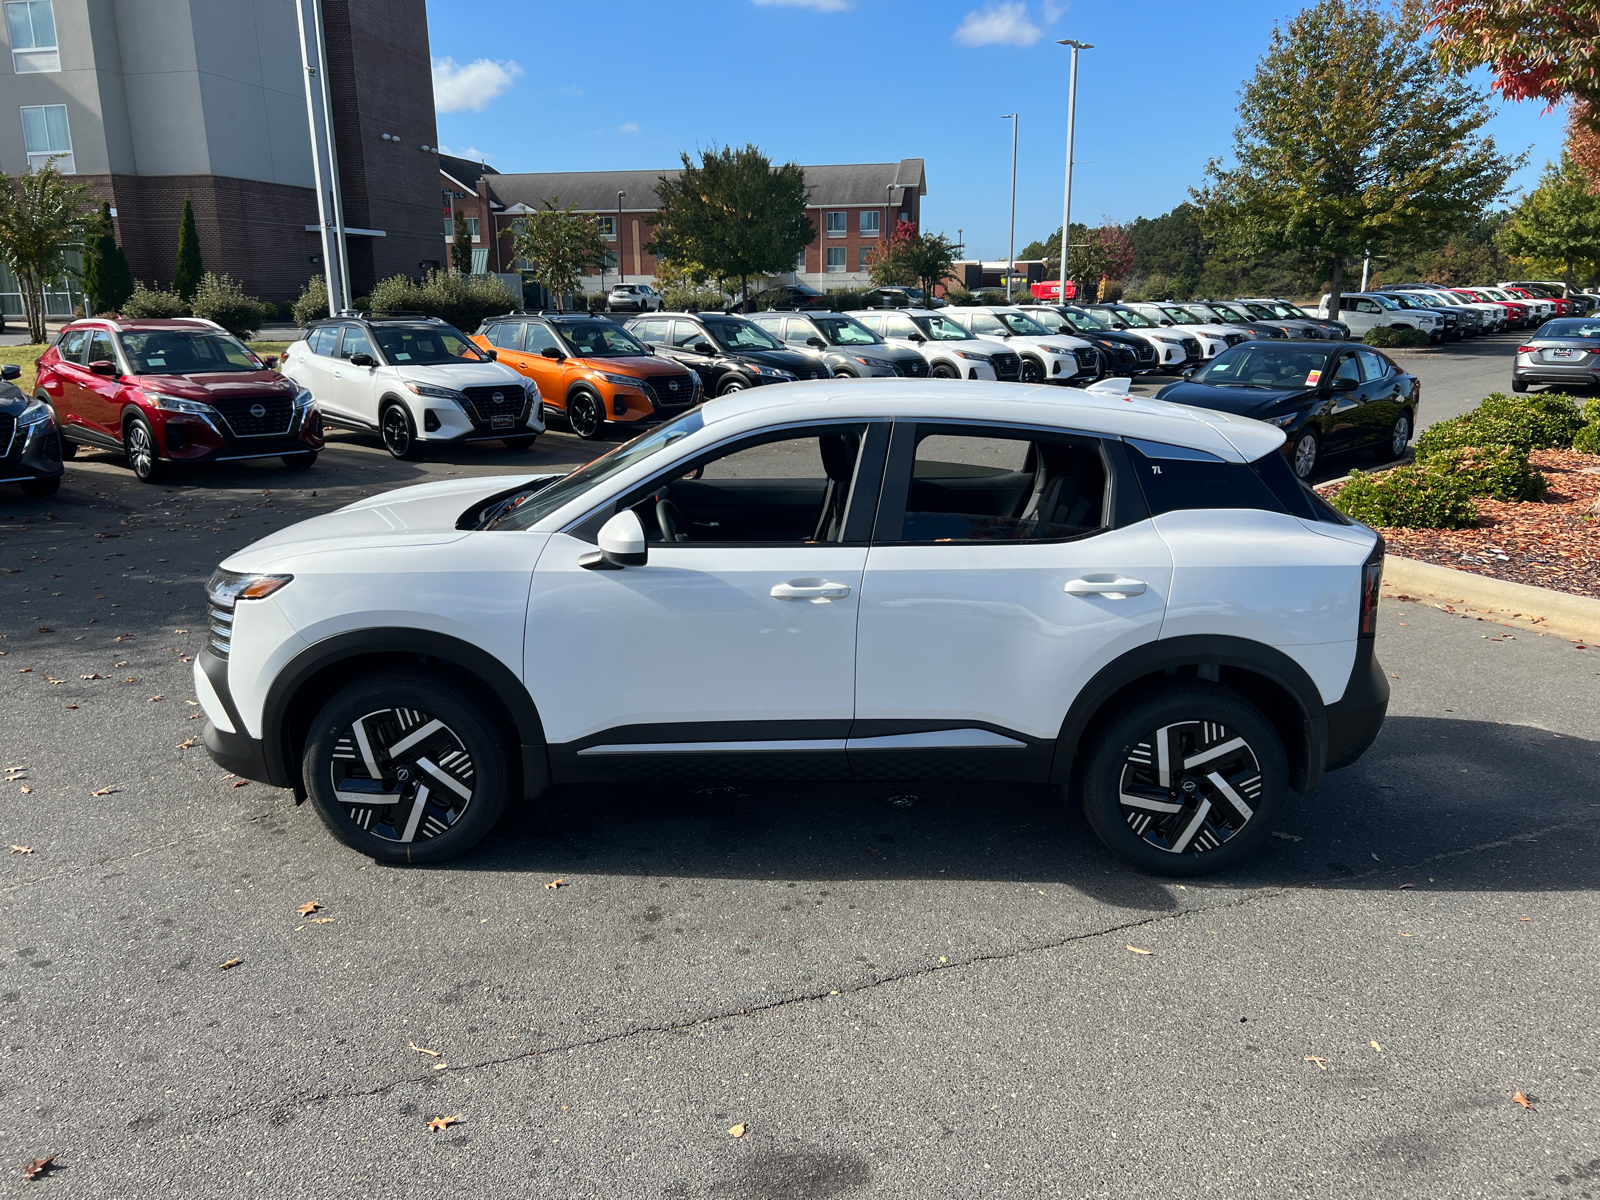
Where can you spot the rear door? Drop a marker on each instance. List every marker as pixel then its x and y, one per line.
pixel 1383 386
pixel 71 401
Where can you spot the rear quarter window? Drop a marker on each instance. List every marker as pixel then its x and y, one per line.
pixel 1175 478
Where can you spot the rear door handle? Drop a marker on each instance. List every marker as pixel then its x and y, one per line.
pixel 818 591
pixel 1115 589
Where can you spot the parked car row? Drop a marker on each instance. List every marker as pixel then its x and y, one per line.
pixel 1452 313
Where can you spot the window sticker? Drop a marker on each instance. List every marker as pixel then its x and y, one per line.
pixel 1313 378
pixel 403 357
pixel 155 362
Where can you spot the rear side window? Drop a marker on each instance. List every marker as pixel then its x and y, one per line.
pixel 321 339
pixel 1176 477
pixel 653 331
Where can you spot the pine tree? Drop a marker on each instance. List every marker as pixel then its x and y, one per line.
pixel 461 248
pixel 186 278
pixel 107 281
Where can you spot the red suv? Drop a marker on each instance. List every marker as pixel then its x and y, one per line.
pixel 181 391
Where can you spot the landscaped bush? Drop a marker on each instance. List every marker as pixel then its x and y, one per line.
pixel 692 300
pixel 312 304
pixel 1587 439
pixel 463 301
pixel 1410 497
pixel 846 299
pixel 153 302
pixel 1535 421
pixel 1591 411
pixel 219 298
pixel 1111 291
pixel 960 297
pixel 1499 472
pixel 1387 336
pixel 992 296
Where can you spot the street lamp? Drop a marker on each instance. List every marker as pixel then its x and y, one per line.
pixel 622 271
pixel 1066 200
pixel 1011 237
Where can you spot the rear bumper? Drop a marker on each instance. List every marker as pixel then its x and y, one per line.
pixel 1550 373
pixel 1353 721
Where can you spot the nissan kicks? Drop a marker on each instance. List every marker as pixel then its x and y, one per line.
pixel 30 445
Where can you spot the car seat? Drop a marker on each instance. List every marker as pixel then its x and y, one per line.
pixel 838 452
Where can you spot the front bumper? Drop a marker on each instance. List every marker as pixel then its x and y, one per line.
pixel 194 438
pixel 30 452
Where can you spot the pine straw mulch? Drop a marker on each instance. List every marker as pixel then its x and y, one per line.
pixel 1553 543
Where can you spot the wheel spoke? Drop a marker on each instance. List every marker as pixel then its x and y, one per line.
pixel 449 781
pixel 1182 844
pixel 416 814
pixel 360 731
pixel 390 789
pixel 411 739
pixel 1233 797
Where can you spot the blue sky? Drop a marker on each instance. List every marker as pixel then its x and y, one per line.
pixel 566 87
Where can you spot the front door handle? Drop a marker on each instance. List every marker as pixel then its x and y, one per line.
pixel 1114 589
pixel 818 591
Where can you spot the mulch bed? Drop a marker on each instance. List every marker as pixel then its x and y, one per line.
pixel 1553 543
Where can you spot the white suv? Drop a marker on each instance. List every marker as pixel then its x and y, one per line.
pixel 1214 337
pixel 1046 357
pixel 951 350
pixel 415 381
pixel 832 580
pixel 1365 311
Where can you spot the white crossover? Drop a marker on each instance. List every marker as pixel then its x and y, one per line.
pixel 951 350
pixel 836 580
pixel 1046 357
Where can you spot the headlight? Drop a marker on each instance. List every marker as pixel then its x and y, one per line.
pixel 1166 341
pixel 768 372
pixel 428 389
pixel 1282 422
pixel 226 587
pixel 531 388
pixel 179 404
pixel 877 364
pixel 974 355
pixel 36 412
pixel 303 399
pixel 1056 349
pixel 627 381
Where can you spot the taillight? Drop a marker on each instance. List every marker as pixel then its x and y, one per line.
pixel 1525 349
pixel 1371 582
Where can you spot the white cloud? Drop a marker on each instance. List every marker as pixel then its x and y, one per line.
pixel 999 24
pixel 471 153
pixel 814 5
pixel 628 127
pixel 460 87
pixel 1050 11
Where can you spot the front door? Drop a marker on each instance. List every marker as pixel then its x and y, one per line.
pixel 98 404
pixel 995 588
pixel 1345 423
pixel 356 388
pixel 553 375
pixel 686 337
pixel 732 650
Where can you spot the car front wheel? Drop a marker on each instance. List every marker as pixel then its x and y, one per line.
pixel 1186 779
pixel 1307 449
pixel 399 433
pixel 1032 371
pixel 139 444
pixel 585 416
pixel 408 766
pixel 943 371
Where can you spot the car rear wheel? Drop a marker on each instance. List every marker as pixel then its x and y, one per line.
pixel 139 446
pixel 1307 450
pixel 1519 385
pixel 585 415
pixel 300 462
pixel 1186 779
pixel 518 443
pixel 408 766
pixel 399 433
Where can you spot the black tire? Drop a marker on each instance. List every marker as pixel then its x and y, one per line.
pixel 1200 821
pixel 300 462
pixel 399 432
pixel 1399 440
pixel 586 415
pixel 140 448
pixel 38 489
pixel 1306 453
pixel 1032 371
pixel 731 386
pixel 465 753
pixel 841 373
pixel 1519 385
pixel 519 443
pixel 943 371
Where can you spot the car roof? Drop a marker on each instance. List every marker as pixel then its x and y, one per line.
pixel 128 324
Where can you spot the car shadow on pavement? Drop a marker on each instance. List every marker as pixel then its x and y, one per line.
pixel 1431 791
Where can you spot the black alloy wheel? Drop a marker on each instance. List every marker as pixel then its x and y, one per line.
pixel 1032 370
pixel 943 371
pixel 408 766
pixel 300 462
pixel 519 443
pixel 1189 778
pixel 399 433
pixel 1307 450
pixel 585 415
pixel 139 445
pixel 1399 438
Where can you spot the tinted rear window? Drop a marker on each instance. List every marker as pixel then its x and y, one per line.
pixel 1194 479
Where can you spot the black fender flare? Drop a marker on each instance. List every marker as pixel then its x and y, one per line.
pixel 282 719
pixel 586 389
pixel 1306 727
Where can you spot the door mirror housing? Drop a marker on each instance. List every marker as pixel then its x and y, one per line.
pixel 363 360
pixel 916 337
pixel 703 348
pixel 817 342
pixel 621 544
pixel 102 366
pixel 10 371
pixel 1188 373
pixel 492 355
pixel 272 362
pixel 552 352
pixel 1344 385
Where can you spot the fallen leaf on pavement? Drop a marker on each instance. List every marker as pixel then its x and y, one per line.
pixel 72 706
pixel 1288 837
pixel 240 783
pixel 320 921
pixel 153 699
pixel 53 679
pixel 424 1049
pixel 555 883
pixel 1136 950
pixel 443 1122
pixel 180 631
pixel 737 1131
pixel 1519 1098
pixel 106 791
pixel 195 703
pixel 22 849
pixel 96 675
pixel 441 1066
pixel 1322 1063
pixel 1376 1047
pixel 230 964
pixel 310 906
pixel 186 745
pixel 25 671
pixel 130 679
pixel 190 717
pixel 37 1167
pixel 27 791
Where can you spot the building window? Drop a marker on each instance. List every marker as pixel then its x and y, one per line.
pixel 45 134
pixel 835 260
pixel 904 215
pixel 800 264
pixel 861 264
pixel 869 222
pixel 608 261
pixel 608 228
pixel 450 228
pixel 32 26
pixel 480 262
pixel 836 224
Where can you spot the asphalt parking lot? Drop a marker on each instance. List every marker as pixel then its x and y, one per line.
pixel 928 990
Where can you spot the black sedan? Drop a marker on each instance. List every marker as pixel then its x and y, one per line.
pixel 1125 354
pixel 784 296
pixel 1328 400
pixel 1564 351
pixel 729 353
pixel 30 445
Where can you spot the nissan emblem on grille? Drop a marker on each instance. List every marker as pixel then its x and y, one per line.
pixel 258 410
pixel 672 386
pixel 497 397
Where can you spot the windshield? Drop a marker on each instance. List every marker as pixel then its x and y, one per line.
pixel 1127 316
pixel 1229 313
pixel 1387 303
pixel 426 346
pixel 842 331
pixel 1408 301
pixel 733 334
pixel 1259 312
pixel 1180 316
pixel 1263 365
pixel 1279 310
pixel 1018 323
pixel 1586 327
pixel 536 502
pixel 941 329
pixel 179 352
pixel 1083 322
pixel 598 339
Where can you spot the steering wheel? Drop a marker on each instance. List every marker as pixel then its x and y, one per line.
pixel 673 527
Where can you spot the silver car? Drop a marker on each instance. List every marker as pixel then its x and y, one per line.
pixel 634 297
pixel 1565 351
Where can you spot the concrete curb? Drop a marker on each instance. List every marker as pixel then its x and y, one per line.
pixel 1547 611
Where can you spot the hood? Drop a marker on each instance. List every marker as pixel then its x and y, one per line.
pixel 460 375
pixel 417 516
pixel 647 365
pixel 218 385
pixel 1240 401
pixel 12 399
pixel 782 360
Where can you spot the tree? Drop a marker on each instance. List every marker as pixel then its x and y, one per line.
pixel 734 212
pixel 186 276
pixel 1351 138
pixel 1096 254
pixel 107 279
pixel 560 245
pixel 42 217
pixel 889 264
pixel 1557 225
pixel 461 245
pixel 932 260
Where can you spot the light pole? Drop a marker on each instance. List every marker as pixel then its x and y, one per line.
pixel 1066 200
pixel 622 271
pixel 1011 236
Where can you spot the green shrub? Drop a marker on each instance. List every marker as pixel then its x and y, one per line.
pixel 219 298
pixel 596 302
pixel 1111 291
pixel 312 304
pixel 960 297
pixel 692 300
pixel 153 302
pixel 1550 419
pixel 1386 336
pixel 461 300
pixel 1587 439
pixel 1499 472
pixel 1591 411
pixel 992 296
pixel 1410 497
pixel 846 299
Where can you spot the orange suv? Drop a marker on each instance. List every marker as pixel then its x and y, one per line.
pixel 590 370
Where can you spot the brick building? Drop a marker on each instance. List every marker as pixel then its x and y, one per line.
pixel 852 208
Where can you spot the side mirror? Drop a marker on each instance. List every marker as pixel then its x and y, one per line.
pixel 363 360
pixel 1344 385
pixel 492 355
pixel 1188 373
pixel 552 352
pixel 817 342
pixel 10 371
pixel 1165 321
pixel 272 362
pixel 916 337
pixel 102 367
pixel 703 348
pixel 621 544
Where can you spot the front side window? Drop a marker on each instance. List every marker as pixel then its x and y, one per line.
pixel 844 331
pixel 836 260
pixel 734 334
pixel 181 352
pixel 903 327
pixel 355 342
pixel 538 339
pixel 987 323
pixel 686 335
pixel 1018 323
pixel 31 25
pixel 941 329
pixel 869 223
pixel 796 334
pixel 101 348
pixel 45 136
pixel 970 484
pixel 837 224
pixel 425 347
pixel 1080 321
pixel 1348 368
